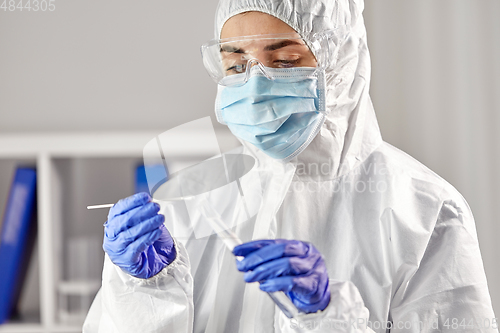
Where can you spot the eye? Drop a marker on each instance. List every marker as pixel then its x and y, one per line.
pixel 236 69
pixel 285 63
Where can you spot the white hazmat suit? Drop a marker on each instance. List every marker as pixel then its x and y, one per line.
pixel 399 242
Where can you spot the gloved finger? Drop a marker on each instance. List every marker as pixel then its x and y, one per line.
pixel 282 283
pixel 143 242
pixel 317 301
pixel 271 252
pixel 132 234
pixel 119 243
pixel 129 203
pixel 307 289
pixel 131 218
pixel 138 214
pixel 249 247
pixel 129 255
pixel 281 267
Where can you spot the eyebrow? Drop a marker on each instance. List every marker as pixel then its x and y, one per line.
pixel 271 47
pixel 281 44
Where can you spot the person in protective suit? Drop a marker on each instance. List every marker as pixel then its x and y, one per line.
pixel 360 236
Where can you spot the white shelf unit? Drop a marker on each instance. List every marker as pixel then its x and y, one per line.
pixel 45 149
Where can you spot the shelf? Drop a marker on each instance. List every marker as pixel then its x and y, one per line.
pixel 99 144
pixel 37 328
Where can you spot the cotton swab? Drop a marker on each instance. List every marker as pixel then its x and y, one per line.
pixel 154 200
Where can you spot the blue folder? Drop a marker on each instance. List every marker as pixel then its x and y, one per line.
pixel 148 178
pixel 17 238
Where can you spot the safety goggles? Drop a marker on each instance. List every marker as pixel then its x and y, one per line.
pixel 229 61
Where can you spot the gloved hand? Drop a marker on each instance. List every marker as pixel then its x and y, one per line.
pixel 292 266
pixel 135 238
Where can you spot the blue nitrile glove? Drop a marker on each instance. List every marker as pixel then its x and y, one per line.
pixel 292 266
pixel 135 238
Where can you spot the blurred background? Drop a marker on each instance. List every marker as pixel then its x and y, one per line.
pixel 133 68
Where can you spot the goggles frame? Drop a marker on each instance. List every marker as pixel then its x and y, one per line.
pixel 323 45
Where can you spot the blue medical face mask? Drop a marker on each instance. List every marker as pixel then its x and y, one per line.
pixel 281 116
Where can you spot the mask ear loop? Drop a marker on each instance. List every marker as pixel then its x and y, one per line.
pixel 261 67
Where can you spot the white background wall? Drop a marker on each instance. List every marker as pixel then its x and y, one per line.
pixel 126 65
pixel 435 87
pixel 105 65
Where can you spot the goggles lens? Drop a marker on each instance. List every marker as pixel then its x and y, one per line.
pixel 228 61
pixel 229 57
pixel 274 53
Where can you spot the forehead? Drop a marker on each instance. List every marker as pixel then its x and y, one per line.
pixel 254 23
